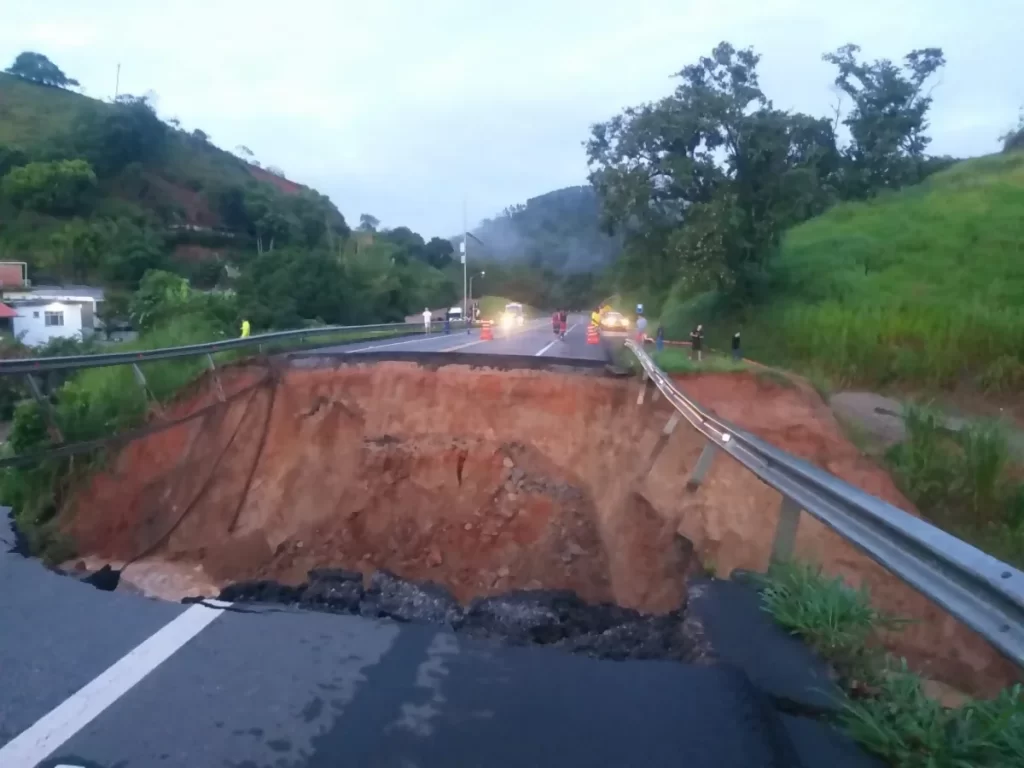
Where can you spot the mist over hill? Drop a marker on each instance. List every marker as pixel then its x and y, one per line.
pixel 559 230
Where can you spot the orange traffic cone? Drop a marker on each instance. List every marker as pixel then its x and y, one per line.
pixel 592 337
pixel 485 331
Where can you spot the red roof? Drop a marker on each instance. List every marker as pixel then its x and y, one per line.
pixel 6 312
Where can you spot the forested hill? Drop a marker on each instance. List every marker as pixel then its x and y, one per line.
pixel 559 230
pixel 100 192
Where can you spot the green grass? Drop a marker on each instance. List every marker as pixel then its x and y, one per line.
pixel 679 361
pixel 965 481
pixel 32 114
pixel 922 287
pixel 888 712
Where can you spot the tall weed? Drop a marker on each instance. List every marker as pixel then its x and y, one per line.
pixel 963 480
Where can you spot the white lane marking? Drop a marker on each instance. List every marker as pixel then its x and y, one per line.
pixel 47 734
pixel 422 337
pixel 463 346
pixel 549 346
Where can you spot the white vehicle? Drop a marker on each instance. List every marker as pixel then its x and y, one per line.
pixel 455 314
pixel 513 315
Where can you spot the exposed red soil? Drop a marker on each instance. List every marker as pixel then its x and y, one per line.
pixel 284 185
pixel 194 204
pixel 485 481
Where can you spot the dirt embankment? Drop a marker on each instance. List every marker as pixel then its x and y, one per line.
pixel 486 481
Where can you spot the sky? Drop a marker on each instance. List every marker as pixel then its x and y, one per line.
pixel 414 110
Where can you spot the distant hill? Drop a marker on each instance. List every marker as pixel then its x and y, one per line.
pixel 559 231
pixel 153 183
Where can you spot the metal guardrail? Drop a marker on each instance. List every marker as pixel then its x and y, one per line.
pixel 983 592
pixel 29 367
pixel 74 362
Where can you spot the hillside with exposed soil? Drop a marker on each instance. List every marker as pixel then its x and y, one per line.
pixel 482 481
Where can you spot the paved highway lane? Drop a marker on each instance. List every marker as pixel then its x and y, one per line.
pixel 281 687
pixel 536 339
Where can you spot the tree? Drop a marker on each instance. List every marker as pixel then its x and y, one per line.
pixel 273 169
pixel 128 132
pixel 160 296
pixel 201 136
pixel 439 252
pixel 114 311
pixel 286 288
pixel 61 188
pixel 79 246
pixel 368 223
pixel 888 120
pixel 702 183
pixel 11 157
pixel 36 68
pixel 1012 139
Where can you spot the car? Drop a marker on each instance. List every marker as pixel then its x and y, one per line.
pixel 513 316
pixel 614 321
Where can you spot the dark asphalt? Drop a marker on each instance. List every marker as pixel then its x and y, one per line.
pixel 270 686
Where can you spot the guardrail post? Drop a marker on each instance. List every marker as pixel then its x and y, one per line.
pixel 643 389
pixel 785 530
pixel 140 377
pixel 48 414
pixel 216 378
pixel 703 465
pixel 666 433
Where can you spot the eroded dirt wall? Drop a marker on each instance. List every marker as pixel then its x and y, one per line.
pixel 488 480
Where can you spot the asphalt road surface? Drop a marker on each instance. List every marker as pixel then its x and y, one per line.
pixel 90 678
pixel 534 338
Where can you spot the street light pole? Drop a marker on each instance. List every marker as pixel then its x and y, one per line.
pixel 465 260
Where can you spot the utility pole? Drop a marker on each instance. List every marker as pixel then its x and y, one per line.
pixel 117 81
pixel 465 260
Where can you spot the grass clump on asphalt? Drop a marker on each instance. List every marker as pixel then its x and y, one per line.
pixel 964 481
pixel 887 710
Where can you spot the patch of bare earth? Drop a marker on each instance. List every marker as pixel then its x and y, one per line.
pixel 485 481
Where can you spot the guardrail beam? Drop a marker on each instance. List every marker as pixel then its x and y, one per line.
pixel 785 530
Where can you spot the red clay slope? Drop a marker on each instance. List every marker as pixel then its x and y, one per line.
pixel 488 480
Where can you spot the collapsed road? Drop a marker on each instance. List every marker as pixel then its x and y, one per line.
pixel 485 576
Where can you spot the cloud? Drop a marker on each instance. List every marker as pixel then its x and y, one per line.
pixel 403 109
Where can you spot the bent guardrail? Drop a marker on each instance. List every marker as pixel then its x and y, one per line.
pixel 983 592
pixel 30 367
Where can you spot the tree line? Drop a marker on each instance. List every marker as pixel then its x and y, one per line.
pixel 701 184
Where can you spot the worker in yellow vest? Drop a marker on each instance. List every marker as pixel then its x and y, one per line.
pixel 245 329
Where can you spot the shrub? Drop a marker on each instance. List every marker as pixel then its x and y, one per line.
pixel 963 480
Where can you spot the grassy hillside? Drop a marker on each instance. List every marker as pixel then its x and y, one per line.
pixel 924 287
pixel 35 119
pixel 161 197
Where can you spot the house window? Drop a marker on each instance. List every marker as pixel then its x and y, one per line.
pixel 35 315
pixel 54 318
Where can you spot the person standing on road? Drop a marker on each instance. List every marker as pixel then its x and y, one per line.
pixel 245 329
pixel 556 321
pixel 641 330
pixel 736 346
pixel 696 342
pixel 426 319
pixel 563 323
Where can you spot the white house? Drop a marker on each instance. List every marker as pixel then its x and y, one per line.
pixel 41 320
pixel 49 312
